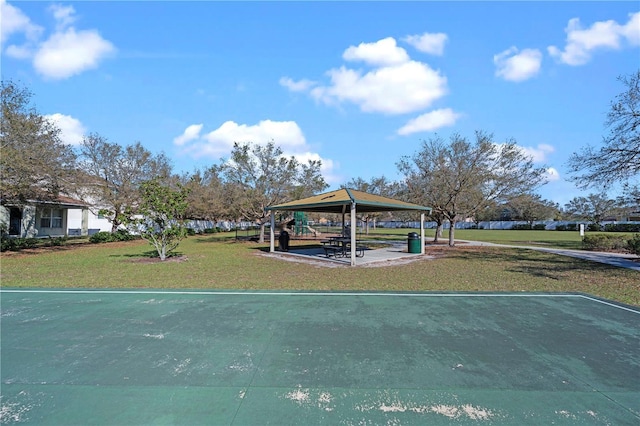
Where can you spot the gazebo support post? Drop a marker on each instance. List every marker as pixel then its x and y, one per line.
pixel 272 232
pixel 353 234
pixel 422 233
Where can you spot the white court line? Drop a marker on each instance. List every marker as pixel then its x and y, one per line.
pixel 258 293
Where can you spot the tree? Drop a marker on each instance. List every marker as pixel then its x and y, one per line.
pixel 159 218
pixel 460 178
pixel 35 163
pixel 113 175
pixel 618 159
pixel 531 207
pixel 261 176
pixel 377 186
pixel 207 195
pixel 594 208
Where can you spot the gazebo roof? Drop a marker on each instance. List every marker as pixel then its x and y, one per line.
pixel 339 201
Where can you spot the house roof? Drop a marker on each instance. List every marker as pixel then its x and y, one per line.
pixel 59 201
pixel 339 201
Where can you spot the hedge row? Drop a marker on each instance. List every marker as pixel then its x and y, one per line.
pixel 17 244
pixel 110 237
pixel 610 242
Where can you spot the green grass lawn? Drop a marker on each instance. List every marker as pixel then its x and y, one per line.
pixel 213 262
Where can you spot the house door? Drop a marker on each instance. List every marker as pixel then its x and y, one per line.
pixel 15 221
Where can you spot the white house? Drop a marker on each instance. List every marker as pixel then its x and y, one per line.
pixel 63 216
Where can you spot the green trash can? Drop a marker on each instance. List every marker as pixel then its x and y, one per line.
pixel 413 242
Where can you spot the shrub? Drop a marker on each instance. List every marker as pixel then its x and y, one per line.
pixel 604 242
pixel 622 227
pixel 100 237
pixel 594 227
pixel 16 244
pixel 633 244
pixel 109 237
pixel 57 241
pixel 122 235
pixel 7 244
pixel 572 226
pixel 561 227
pixel 539 226
pixel 521 227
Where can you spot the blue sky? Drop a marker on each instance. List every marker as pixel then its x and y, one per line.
pixel 357 85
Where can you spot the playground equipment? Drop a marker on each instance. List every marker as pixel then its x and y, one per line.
pixel 301 225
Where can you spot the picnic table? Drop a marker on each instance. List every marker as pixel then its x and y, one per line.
pixel 340 247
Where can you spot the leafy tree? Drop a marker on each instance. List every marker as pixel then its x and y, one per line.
pixel 113 175
pixel 159 218
pixel 459 179
pixel 618 159
pixel 257 177
pixel 207 195
pixel 594 208
pixel 531 207
pixel 35 163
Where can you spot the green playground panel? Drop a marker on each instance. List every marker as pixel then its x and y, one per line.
pixel 129 357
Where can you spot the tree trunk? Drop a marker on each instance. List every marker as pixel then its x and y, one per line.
pixel 438 232
pixel 262 226
pixel 452 227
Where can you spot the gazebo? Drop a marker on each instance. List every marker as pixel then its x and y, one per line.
pixel 347 201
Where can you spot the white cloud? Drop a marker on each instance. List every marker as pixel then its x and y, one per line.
pixel 64 16
pixel 304 157
pixel 192 132
pixel 552 175
pixel 20 52
pixel 297 86
pixel 16 22
pixel 71 129
pixel 218 143
pixel 430 121
pixel 398 89
pixel 432 43
pixel 69 53
pixel 286 134
pixel 394 84
pixel 381 52
pixel 581 42
pixel 514 65
pixel 539 153
pixel 65 53
pixel 631 31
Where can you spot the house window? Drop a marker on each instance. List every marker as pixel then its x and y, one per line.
pixel 51 218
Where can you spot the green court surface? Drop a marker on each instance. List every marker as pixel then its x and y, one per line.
pixel 242 358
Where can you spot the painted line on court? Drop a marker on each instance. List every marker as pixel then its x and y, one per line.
pixel 262 293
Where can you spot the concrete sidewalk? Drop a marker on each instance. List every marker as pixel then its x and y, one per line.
pixel 620 260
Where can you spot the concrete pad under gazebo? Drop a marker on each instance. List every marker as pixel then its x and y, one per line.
pixel 348 201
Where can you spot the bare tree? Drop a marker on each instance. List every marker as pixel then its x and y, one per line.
pixel 460 178
pixel 261 176
pixel 618 159
pixel 113 175
pixel 35 163
pixel 377 186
